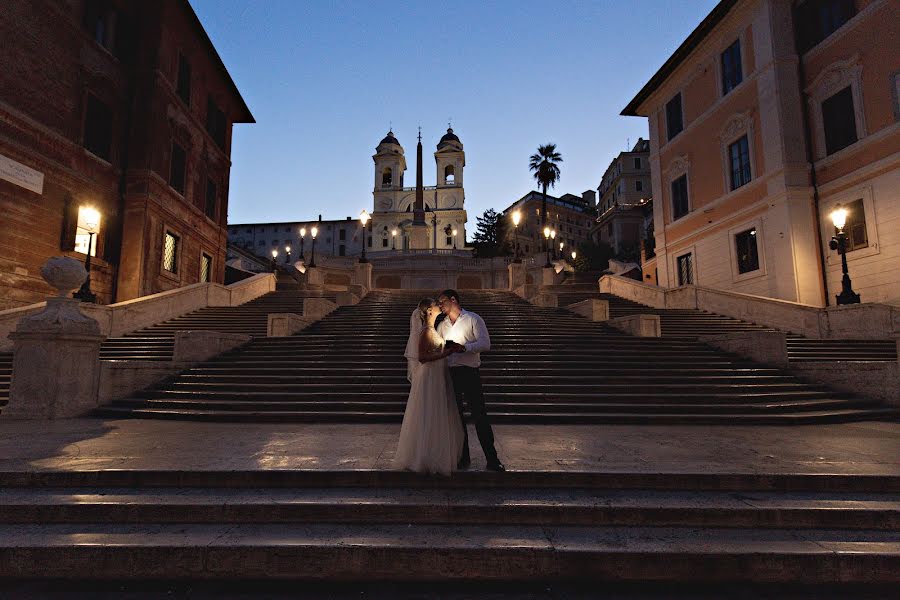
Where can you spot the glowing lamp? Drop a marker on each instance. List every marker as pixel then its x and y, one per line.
pixel 364 217
pixel 91 217
pixel 839 217
pixel 517 217
pixel 314 232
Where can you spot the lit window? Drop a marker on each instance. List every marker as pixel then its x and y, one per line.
pixel 855 227
pixel 170 253
pixel 747 251
pixel 205 268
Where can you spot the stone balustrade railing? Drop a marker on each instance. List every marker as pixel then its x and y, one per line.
pixel 123 317
pixel 855 321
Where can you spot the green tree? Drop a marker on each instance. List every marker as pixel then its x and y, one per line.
pixel 592 256
pixel 489 239
pixel 544 165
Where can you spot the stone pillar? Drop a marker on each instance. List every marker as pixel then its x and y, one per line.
pixel 315 279
pixel 363 273
pixel 56 361
pixel 516 275
pixel 549 276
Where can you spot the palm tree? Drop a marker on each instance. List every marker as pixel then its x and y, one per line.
pixel 545 166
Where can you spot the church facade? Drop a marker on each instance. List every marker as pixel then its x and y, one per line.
pixel 418 217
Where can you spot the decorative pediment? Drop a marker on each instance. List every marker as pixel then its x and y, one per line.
pixel 736 125
pixel 678 165
pixel 835 76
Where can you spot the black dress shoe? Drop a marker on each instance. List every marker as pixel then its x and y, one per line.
pixel 496 466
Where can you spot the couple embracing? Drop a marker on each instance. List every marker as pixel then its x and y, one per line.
pixel 443 358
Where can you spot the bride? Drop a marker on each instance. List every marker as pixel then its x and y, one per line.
pixel 431 437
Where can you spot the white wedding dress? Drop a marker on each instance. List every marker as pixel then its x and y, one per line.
pixel 431 437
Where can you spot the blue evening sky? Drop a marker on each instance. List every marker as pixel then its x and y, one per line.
pixel 324 80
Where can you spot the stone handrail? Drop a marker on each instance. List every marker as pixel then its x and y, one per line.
pixel 123 317
pixel 856 321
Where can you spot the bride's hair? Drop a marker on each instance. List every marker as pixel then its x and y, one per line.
pixel 424 305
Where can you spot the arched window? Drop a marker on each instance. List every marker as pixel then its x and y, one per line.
pixel 387 177
pixel 449 174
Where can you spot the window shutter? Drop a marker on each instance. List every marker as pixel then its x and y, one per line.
pixel 69 224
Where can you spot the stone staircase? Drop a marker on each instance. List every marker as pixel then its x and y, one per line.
pixel 520 526
pixel 6 359
pixel 688 323
pixel 546 365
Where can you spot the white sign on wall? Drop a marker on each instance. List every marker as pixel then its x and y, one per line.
pixel 22 176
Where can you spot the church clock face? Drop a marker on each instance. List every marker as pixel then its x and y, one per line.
pixel 451 201
pixel 384 203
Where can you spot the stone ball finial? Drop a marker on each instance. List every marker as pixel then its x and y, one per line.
pixel 64 273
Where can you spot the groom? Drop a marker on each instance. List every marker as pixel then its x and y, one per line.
pixel 469 331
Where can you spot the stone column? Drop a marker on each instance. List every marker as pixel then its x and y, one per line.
pixel 363 273
pixel 56 360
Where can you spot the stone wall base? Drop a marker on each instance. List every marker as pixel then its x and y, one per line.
pixel 876 380
pixel 638 325
pixel 764 347
pixel 592 308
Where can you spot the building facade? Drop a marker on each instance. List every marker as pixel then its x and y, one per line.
pixel 124 108
pixel 768 116
pixel 339 237
pixel 392 225
pixel 570 216
pixel 624 193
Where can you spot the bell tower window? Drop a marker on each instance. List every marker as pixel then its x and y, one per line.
pixel 387 177
pixel 449 175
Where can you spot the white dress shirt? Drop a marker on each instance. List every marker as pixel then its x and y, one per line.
pixel 470 331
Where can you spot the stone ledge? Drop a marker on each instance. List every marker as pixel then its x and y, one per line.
pixel 592 308
pixel 876 380
pixel 316 308
pixel 765 347
pixel 199 346
pixel 638 325
pixel 286 324
pixel 546 300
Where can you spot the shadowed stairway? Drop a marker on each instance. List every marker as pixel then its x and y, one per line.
pixel 545 366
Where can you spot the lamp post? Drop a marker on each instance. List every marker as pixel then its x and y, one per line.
pixel 553 237
pixel 561 246
pixel 516 219
pixel 314 232
pixel 287 252
pixel 364 218
pixel 274 259
pixel 394 238
pixel 574 254
pixel 839 243
pixel 91 219
pixel 547 246
pixel 454 238
pixel 302 236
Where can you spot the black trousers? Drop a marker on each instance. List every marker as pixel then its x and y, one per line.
pixel 467 385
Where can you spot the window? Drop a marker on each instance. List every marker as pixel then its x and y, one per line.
pixel 747 251
pixel 384 242
pixel 638 186
pixel 275 242
pixel 732 72
pixel 216 123
pixel 83 230
pixel 261 243
pixel 98 128
pixel 287 229
pixel 674 119
pixel 739 159
pixel 855 227
pixel 818 19
pixel 449 174
pixel 177 168
pixel 680 204
pixel 211 199
pixel 342 234
pixel 170 252
pixel 449 241
pixel 637 163
pixel 685 269
pixel 839 121
pixel 249 230
pixel 100 22
pixel 342 251
pixel 205 268
pixel 387 177
pixel 369 242
pixel 183 83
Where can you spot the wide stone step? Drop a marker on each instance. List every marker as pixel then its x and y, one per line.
pixel 522 506
pixel 804 418
pixel 398 552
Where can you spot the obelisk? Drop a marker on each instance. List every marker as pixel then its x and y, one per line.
pixel 418 238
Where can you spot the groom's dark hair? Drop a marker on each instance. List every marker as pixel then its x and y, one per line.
pixel 450 294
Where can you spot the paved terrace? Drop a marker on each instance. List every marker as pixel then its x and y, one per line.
pixel 866 448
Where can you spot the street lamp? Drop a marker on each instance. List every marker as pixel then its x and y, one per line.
pixel 364 218
pixel 547 246
pixel 274 258
pixel 839 243
pixel 516 219
pixel 91 219
pixel 394 238
pixel 287 251
pixel 314 232
pixel 454 238
pixel 553 237
pixel 574 254
pixel 302 236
